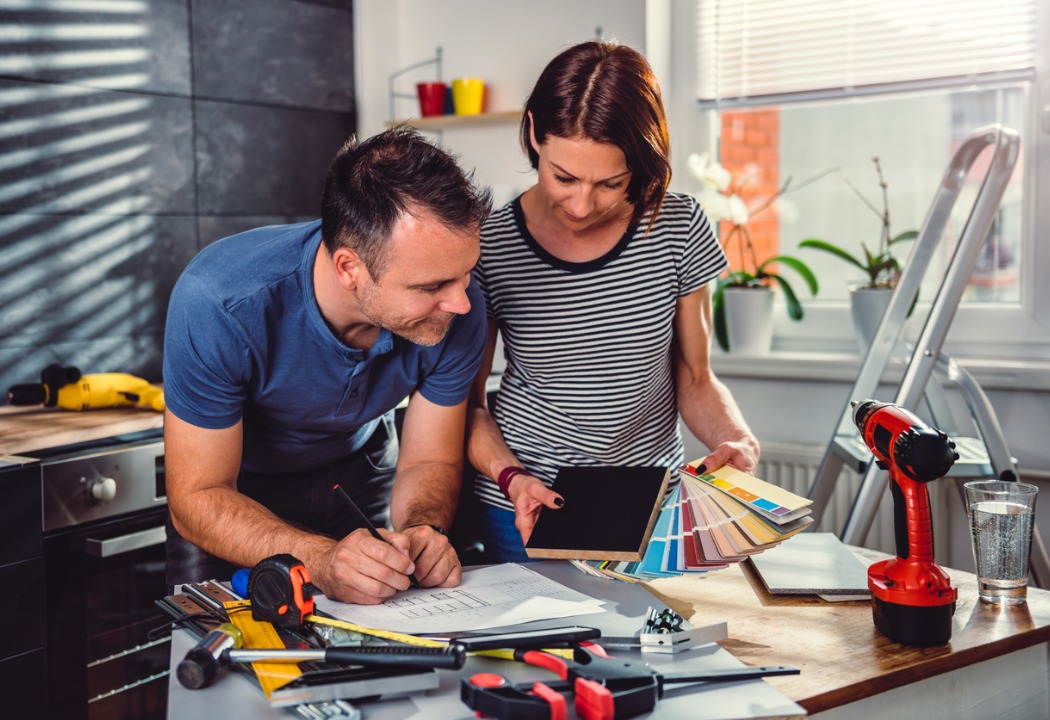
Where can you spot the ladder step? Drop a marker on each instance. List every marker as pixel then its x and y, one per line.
pixel 973 459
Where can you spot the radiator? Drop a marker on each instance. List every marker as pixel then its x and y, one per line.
pixel 794 467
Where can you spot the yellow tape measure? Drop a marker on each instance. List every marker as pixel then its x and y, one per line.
pixel 260 635
pixel 385 634
pixel 423 642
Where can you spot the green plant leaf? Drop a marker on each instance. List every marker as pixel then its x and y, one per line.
pixel 718 313
pixel 906 235
pixel 800 267
pixel 834 250
pixel 794 307
pixel 884 265
pixel 739 278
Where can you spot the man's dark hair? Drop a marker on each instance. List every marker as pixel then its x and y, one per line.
pixel 372 183
pixel 607 93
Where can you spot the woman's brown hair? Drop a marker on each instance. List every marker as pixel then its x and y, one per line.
pixel 607 93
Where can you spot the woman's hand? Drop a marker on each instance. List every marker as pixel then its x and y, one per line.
pixel 741 454
pixel 530 495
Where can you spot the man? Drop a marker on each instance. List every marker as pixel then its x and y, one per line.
pixel 286 350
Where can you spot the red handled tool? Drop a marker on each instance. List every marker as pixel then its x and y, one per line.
pixel 605 688
pixel 912 597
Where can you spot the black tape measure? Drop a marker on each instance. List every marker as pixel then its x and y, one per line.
pixel 280 591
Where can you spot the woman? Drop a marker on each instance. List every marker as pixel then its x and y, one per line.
pixel 598 280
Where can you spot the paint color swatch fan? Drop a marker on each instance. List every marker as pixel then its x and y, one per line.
pixel 711 520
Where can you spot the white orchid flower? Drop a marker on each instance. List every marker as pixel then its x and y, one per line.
pixel 714 203
pixel 711 174
pixel 738 213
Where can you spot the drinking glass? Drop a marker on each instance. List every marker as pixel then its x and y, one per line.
pixel 1001 516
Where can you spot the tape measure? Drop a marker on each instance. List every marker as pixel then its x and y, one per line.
pixel 262 635
pixel 385 634
pixel 280 590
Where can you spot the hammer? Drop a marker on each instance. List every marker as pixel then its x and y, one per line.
pixel 220 647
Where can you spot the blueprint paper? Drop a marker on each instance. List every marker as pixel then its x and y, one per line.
pixel 487 597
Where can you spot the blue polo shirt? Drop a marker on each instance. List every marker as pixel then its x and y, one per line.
pixel 245 339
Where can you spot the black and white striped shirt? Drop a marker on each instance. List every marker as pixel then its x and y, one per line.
pixel 589 376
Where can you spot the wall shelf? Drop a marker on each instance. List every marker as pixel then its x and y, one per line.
pixel 449 122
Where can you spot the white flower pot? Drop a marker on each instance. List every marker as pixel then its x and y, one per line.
pixel 749 320
pixel 867 306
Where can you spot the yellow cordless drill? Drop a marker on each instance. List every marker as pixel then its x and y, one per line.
pixel 66 387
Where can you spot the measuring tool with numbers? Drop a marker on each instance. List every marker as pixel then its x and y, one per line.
pixel 201 609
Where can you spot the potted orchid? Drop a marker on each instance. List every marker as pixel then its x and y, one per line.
pixel 742 303
pixel 870 296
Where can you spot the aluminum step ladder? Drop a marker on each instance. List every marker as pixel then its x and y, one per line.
pixel 983 455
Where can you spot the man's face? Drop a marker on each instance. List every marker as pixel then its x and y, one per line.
pixel 424 284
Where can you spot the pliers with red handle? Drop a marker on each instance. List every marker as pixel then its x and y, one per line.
pixel 605 688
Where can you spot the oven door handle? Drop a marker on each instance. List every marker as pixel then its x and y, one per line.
pixel 111 547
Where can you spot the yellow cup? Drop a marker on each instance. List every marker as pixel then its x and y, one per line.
pixel 468 95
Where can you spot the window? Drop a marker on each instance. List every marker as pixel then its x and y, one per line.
pixel 803 87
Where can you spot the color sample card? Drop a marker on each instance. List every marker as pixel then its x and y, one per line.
pixel 711 520
pixel 770 501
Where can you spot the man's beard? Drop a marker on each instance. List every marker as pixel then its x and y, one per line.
pixel 420 333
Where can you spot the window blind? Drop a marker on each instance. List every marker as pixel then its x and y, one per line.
pixel 768 51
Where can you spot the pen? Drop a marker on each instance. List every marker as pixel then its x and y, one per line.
pixel 367 523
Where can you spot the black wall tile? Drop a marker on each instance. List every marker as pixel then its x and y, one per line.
pixel 212 228
pixel 345 4
pixel 112 176
pixel 142 46
pixel 88 290
pixel 274 51
pixel 263 160
pixel 68 149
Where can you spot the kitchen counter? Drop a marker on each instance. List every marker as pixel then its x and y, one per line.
pixel 24 430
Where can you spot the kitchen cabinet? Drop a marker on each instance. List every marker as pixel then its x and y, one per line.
pixel 70 650
pixel 23 672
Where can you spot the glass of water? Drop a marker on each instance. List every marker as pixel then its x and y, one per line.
pixel 1001 515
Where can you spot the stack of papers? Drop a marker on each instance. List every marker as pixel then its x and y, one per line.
pixel 487 597
pixel 711 520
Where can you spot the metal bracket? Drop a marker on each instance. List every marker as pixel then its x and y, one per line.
pixel 436 61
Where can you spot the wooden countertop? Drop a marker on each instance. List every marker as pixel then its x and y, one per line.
pixel 842 656
pixel 26 429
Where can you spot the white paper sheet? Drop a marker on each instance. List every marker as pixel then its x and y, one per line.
pixel 487 597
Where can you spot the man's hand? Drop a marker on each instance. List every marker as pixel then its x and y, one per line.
pixel 530 495
pixel 437 564
pixel 741 454
pixel 361 569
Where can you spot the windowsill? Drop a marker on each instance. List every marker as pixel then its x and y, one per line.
pixel 843 368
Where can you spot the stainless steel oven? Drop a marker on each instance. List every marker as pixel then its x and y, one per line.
pixel 104 512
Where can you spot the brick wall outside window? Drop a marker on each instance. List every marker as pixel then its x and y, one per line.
pixel 750 150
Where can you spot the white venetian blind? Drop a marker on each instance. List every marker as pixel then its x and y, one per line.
pixel 762 51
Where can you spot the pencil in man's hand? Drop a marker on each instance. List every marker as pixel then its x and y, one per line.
pixel 366 523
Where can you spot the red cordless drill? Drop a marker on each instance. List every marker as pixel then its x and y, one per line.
pixel 912 599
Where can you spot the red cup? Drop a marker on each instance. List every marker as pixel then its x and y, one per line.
pixel 431 98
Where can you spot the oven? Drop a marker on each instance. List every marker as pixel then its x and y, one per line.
pixel 104 512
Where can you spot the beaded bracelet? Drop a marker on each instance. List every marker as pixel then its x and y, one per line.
pixel 506 475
